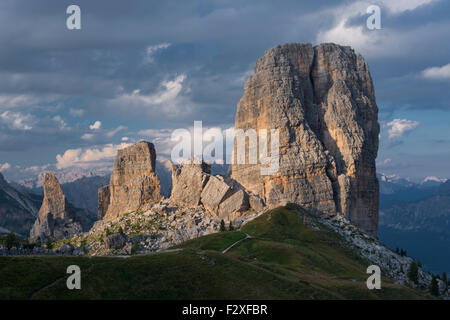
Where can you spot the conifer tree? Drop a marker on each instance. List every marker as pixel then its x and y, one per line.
pixel 434 287
pixel 413 273
pixel 11 239
pixel 49 243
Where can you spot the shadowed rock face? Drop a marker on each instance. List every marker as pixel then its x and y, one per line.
pixel 103 201
pixel 18 208
pixel 323 103
pixel 133 182
pixel 57 218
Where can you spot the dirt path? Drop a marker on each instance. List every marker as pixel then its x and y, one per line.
pixel 247 236
pixel 145 254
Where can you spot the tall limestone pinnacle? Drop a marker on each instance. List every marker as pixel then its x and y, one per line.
pixel 133 183
pixel 322 101
pixel 57 218
pixel 54 201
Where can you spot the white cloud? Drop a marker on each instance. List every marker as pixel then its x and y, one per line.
pixel 435 179
pixel 17 120
pixel 156 133
pixel 170 90
pixel 12 101
pixel 399 127
pixel 61 123
pixel 88 157
pixel 5 166
pixel 400 6
pixel 166 100
pixel 161 138
pixel 151 50
pixel 96 125
pixel 370 43
pixel 76 112
pixel 87 136
pixel 347 35
pixel 384 162
pixel 113 132
pixel 437 72
pixel 125 139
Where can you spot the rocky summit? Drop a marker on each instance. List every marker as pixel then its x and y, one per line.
pixel 134 182
pixel 322 101
pixel 57 218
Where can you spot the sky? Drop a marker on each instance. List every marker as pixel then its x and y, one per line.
pixel 69 99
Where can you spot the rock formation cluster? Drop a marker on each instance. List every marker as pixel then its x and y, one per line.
pixel 193 185
pixel 322 101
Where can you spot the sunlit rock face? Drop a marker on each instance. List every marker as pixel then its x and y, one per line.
pixel 322 101
pixel 58 219
pixel 133 183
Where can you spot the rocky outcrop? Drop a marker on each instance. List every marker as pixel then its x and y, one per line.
pixel 104 197
pixel 115 241
pixel 215 191
pixel 188 181
pixel 223 198
pixel 322 101
pixel 236 203
pixel 133 182
pixel 57 218
pixel 256 203
pixel 157 226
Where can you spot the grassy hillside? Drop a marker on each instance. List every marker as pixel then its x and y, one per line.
pixel 283 259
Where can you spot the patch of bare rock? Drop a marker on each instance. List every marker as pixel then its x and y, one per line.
pixel 154 227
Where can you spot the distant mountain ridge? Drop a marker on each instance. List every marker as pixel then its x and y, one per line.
pixel 431 213
pixel 82 193
pixel 416 217
pixel 18 209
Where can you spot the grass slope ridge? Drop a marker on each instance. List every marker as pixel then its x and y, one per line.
pixel 288 256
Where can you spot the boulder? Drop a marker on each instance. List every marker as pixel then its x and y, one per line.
pixel 115 241
pixel 188 181
pixel 65 249
pixel 237 202
pixel 256 203
pixel 215 191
